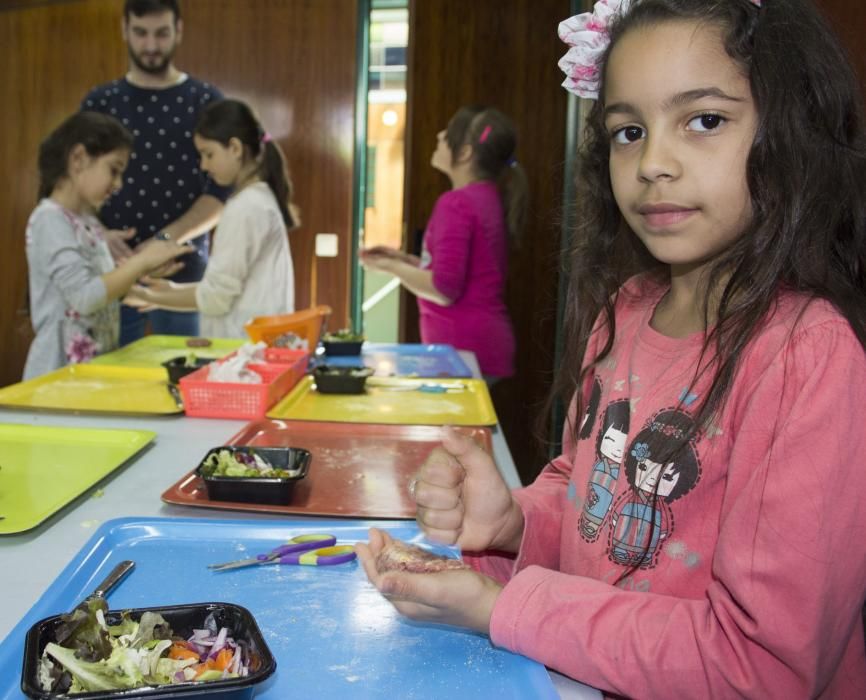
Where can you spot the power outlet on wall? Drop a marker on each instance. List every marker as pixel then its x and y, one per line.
pixel 327 245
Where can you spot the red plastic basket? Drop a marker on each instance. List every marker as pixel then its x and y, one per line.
pixel 206 399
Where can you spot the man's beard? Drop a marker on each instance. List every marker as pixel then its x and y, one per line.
pixel 157 68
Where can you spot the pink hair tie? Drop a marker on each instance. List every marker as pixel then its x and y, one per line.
pixel 266 137
pixel 484 134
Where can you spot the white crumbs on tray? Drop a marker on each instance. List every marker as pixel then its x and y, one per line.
pixel 89 523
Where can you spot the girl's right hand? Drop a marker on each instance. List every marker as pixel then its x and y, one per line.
pixel 153 254
pixel 462 498
pixel 369 256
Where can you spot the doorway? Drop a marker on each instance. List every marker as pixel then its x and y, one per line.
pixel 385 162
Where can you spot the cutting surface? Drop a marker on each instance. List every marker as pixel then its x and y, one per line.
pixel 357 469
pixel 401 401
pixel 97 388
pixel 332 633
pixel 153 350
pixel 44 468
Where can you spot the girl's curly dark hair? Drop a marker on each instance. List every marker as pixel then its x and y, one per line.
pixel 806 172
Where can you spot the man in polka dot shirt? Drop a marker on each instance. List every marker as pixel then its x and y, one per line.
pixel 164 193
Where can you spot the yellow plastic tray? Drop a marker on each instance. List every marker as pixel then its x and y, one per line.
pixel 42 468
pixel 99 388
pixel 153 350
pixel 397 401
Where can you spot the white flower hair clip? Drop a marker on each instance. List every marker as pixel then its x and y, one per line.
pixel 588 38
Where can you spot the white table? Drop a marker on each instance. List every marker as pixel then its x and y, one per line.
pixel 38 556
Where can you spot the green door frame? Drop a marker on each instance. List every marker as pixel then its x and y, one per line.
pixel 359 168
pixel 574 121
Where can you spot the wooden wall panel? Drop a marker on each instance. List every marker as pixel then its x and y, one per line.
pixel 293 60
pixel 503 53
pixel 848 18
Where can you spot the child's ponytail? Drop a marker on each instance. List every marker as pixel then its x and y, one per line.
pixel 515 193
pixel 275 172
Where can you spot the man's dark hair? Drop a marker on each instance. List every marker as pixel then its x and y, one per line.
pixel 140 8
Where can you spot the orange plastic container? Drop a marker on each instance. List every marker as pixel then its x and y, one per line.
pixel 308 324
pixel 206 399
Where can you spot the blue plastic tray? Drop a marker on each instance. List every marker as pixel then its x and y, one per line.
pixel 332 633
pixel 405 360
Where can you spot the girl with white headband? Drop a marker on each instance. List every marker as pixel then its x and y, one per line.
pixel 702 533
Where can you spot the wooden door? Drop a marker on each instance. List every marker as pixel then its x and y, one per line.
pixel 502 53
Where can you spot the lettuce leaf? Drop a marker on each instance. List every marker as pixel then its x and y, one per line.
pixel 116 672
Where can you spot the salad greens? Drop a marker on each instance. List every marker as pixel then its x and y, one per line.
pixel 343 335
pixel 90 655
pixel 242 464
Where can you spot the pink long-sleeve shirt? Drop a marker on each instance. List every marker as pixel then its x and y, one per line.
pixel 466 247
pixel 751 567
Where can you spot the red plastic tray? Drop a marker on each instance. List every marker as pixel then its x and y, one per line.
pixel 357 469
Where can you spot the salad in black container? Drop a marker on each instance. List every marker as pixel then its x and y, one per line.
pixel 253 474
pixel 200 650
pixel 343 342
pixel 181 366
pixel 341 380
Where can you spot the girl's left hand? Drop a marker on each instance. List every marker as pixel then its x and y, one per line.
pixel 459 598
pixel 379 263
pixel 145 296
pixel 138 297
pixel 165 270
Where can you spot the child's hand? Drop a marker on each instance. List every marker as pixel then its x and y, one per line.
pixel 381 257
pixel 139 297
pixel 153 254
pixel 117 243
pixel 380 251
pixel 166 269
pixel 147 295
pixel 462 498
pixel 462 598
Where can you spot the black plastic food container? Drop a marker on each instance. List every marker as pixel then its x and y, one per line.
pixel 177 367
pixel 183 620
pixel 342 347
pixel 341 380
pixel 256 489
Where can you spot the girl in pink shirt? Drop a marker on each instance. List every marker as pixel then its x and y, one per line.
pixel 460 277
pixel 708 541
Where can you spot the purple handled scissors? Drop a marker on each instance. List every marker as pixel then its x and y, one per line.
pixel 311 550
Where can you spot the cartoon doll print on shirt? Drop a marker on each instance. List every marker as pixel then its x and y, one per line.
pixel 605 472
pixel 660 468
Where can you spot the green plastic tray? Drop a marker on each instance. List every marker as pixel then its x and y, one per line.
pixel 44 468
pixel 153 350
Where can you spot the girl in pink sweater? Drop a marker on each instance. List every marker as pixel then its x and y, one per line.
pixel 460 277
pixel 708 541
